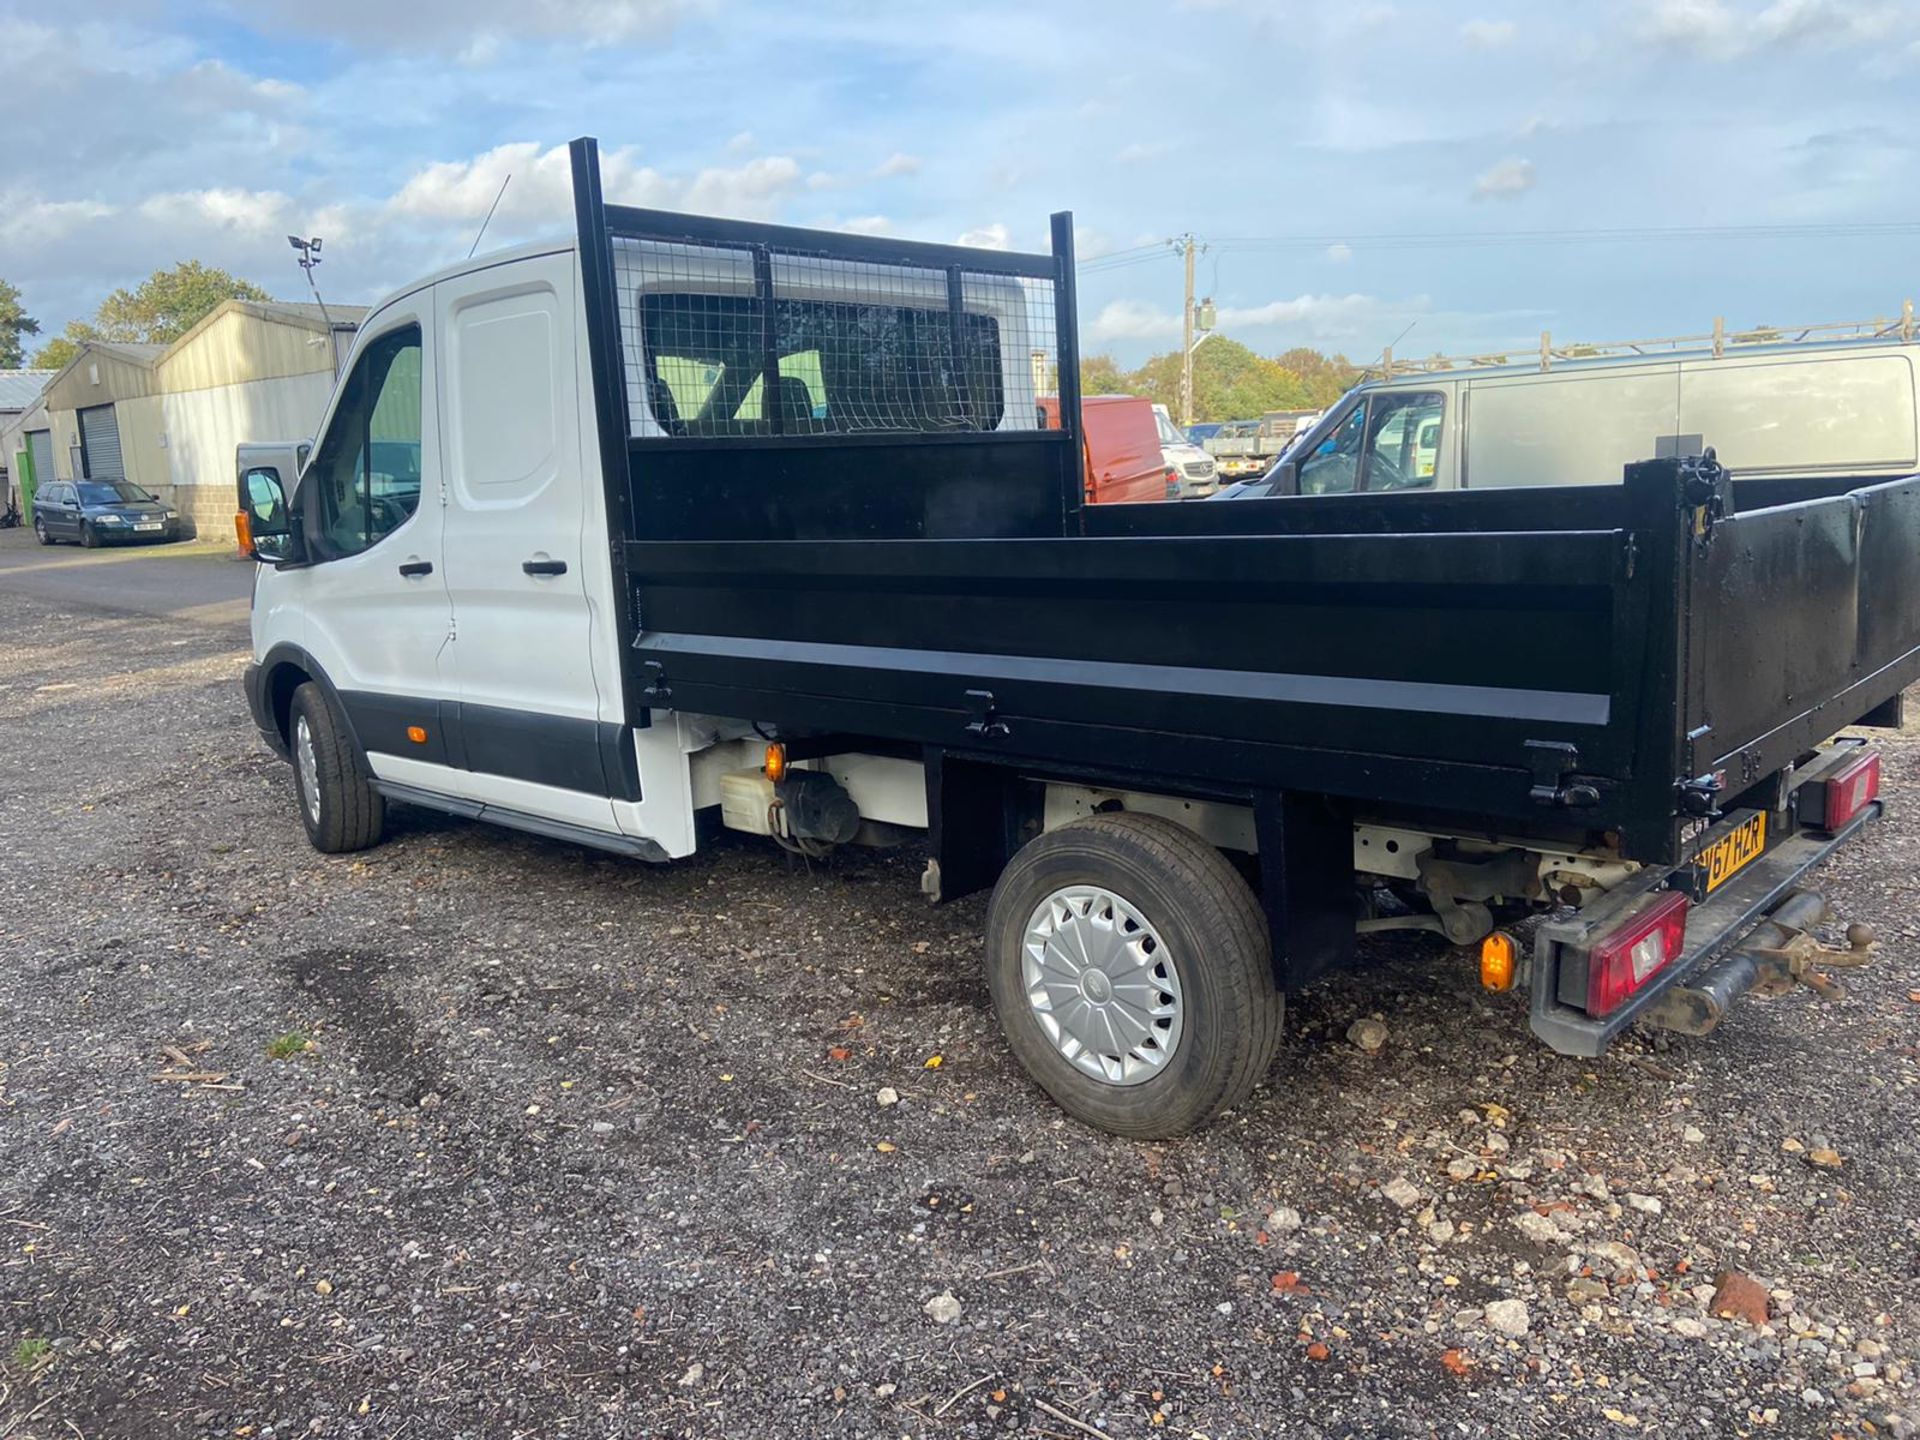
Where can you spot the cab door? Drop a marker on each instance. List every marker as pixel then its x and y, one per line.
pixel 515 558
pixel 374 588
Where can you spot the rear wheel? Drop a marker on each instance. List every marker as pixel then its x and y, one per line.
pixel 338 805
pixel 1130 967
pixel 40 531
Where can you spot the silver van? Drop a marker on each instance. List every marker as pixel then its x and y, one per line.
pixel 1777 408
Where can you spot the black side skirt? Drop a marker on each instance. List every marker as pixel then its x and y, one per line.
pixel 629 845
pixel 592 757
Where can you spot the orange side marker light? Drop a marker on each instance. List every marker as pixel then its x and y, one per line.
pixel 1497 961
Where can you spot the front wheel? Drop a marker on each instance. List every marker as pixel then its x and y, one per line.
pixel 338 805
pixel 1131 970
pixel 89 536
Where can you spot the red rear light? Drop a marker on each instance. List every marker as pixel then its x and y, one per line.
pixel 1173 483
pixel 1622 961
pixel 1856 786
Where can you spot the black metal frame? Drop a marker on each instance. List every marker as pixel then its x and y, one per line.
pixel 624 456
pixel 1535 663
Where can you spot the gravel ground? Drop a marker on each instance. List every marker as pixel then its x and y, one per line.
pixel 558 1144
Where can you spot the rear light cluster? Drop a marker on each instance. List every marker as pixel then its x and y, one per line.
pixel 1173 483
pixel 1847 792
pixel 1624 959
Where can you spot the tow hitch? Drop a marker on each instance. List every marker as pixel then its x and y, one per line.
pixel 1797 961
pixel 1778 954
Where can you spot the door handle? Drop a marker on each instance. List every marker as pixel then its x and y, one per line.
pixel 544 567
pixel 417 567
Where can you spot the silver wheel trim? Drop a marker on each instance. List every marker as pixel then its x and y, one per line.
pixel 1102 984
pixel 308 766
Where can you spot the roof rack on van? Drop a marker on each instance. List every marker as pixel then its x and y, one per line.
pixel 1717 342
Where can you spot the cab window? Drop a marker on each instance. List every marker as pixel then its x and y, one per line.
pixel 1334 466
pixel 364 481
pixel 1403 440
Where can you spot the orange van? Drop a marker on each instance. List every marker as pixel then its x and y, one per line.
pixel 1122 446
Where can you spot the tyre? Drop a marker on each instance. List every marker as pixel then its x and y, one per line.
pixel 40 531
pixel 1132 973
pixel 338 804
pixel 89 536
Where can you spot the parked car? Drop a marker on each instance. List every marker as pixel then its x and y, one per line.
pixel 1202 431
pixel 100 512
pixel 1773 410
pixel 1121 440
pixel 1188 466
pixel 590 606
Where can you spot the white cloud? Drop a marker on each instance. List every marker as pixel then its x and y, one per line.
pixel 541 190
pixel 1508 180
pixel 25 220
pixel 988 237
pixel 1489 34
pixel 898 163
pixel 250 212
pixel 1717 30
pixel 458 25
pixel 865 225
pixel 1319 317
pixel 1141 152
pixel 1339 252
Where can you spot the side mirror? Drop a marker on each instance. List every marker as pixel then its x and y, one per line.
pixel 266 525
pixel 1285 479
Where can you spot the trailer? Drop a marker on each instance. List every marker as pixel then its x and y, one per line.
pixel 1247 448
pixel 838 586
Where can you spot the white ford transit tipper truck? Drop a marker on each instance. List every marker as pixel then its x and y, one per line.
pixel 687 518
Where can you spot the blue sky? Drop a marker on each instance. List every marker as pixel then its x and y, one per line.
pixel 1333 154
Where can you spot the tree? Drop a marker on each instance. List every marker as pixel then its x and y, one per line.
pixel 1230 381
pixel 1102 375
pixel 1326 377
pixel 58 352
pixel 15 324
pixel 158 311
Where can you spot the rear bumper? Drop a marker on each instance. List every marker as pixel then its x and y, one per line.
pixel 127 535
pixel 1715 930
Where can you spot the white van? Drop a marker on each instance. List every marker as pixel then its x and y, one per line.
pixel 1191 467
pixel 1844 407
pixel 686 521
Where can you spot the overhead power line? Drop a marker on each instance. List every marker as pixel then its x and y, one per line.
pixel 1140 255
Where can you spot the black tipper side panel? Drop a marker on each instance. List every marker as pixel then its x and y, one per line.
pixel 1806 616
pixel 1550 662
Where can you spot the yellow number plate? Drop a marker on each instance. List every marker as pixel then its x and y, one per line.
pixel 1734 851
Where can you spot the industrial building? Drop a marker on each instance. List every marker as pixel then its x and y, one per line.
pixel 168 417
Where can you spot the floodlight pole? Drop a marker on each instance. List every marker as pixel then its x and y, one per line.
pixel 310 257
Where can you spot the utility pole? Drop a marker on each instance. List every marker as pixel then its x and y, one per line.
pixel 1188 246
